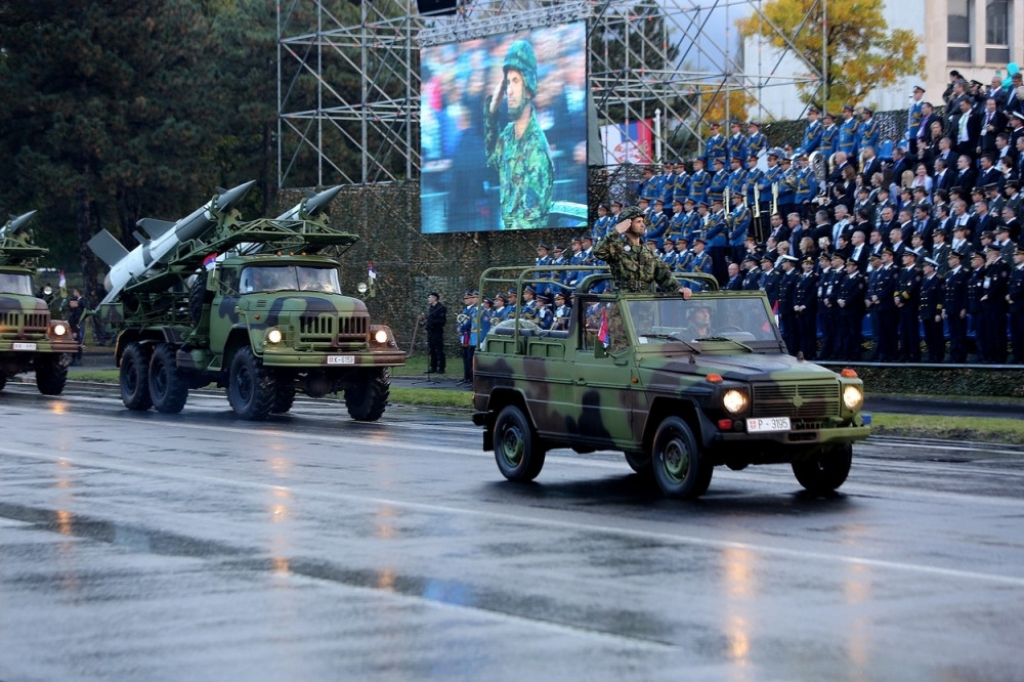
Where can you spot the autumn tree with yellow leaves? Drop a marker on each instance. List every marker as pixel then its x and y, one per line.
pixel 861 53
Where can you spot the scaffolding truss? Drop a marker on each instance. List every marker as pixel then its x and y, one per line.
pixel 349 79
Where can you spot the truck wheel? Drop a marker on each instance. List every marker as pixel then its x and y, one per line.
pixel 168 390
pixel 826 471
pixel 640 462
pixel 680 468
pixel 367 398
pixel 284 395
pixel 517 449
pixel 51 374
pixel 135 378
pixel 251 388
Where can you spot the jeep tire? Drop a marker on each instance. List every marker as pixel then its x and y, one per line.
pixel 826 471
pixel 51 373
pixel 517 449
pixel 367 397
pixel 680 468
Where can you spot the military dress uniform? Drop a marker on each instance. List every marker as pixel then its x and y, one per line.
pixel 868 133
pixel 850 300
pixel 700 182
pixel 882 292
pixel 908 296
pixel 1015 301
pixel 848 137
pixel 770 281
pixel 930 309
pixel 717 147
pixel 812 137
pixel 829 141
pixel 806 299
pixel 993 310
pixel 955 309
pixel 787 314
pixel 828 312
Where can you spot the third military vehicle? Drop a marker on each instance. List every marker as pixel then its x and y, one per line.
pixel 29 339
pixel 679 386
pixel 253 306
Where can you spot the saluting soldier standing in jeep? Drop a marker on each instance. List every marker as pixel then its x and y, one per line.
pixel 634 267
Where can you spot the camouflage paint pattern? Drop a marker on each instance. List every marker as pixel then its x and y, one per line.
pixel 579 395
pixel 525 170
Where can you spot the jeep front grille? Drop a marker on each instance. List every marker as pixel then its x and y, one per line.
pixel 26 323
pixel 796 400
pixel 316 326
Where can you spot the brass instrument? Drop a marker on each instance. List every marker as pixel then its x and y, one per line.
pixel 462 318
pixel 775 198
pixel 757 201
pixel 725 200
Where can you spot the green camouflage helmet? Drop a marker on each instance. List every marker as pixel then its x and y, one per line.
pixel 520 57
pixel 629 213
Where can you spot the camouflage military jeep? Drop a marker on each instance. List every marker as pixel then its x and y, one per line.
pixel 696 384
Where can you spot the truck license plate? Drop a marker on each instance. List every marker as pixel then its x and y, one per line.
pixel 23 346
pixel 767 424
pixel 341 359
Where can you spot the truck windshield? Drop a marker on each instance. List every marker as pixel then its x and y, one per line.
pixel 11 283
pixel 702 319
pixel 265 278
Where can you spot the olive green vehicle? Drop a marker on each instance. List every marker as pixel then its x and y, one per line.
pixel 689 385
pixel 264 318
pixel 30 341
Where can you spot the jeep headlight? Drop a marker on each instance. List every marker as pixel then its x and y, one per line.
pixel 274 336
pixel 59 329
pixel 852 397
pixel 735 401
pixel 380 336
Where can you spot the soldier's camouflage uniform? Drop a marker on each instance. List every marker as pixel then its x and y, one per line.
pixel 634 269
pixel 525 169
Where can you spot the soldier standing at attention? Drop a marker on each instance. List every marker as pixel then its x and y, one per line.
pixel 468 335
pixel 954 310
pixel 434 322
pixel 520 152
pixel 907 299
pixel 1015 302
pixel 930 307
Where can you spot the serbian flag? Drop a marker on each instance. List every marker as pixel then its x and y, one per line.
pixel 602 333
pixel 209 261
pixel 373 271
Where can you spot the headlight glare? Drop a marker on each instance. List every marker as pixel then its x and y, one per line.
pixel 852 397
pixel 735 401
pixel 274 336
pixel 380 336
pixel 59 329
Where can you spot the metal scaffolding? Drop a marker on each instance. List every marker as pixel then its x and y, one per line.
pixel 349 80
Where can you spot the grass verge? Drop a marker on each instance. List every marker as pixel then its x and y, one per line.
pixel 984 429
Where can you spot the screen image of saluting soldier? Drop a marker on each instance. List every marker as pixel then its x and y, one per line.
pixel 520 150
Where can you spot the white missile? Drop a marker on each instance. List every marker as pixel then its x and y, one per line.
pixel 158 238
pixel 13 226
pixel 308 208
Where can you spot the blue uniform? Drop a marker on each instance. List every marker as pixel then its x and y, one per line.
pixel 756 143
pixel 719 181
pixel 659 225
pixel 716 148
pixel 806 185
pixel 737 147
pixel 754 178
pixel 848 138
pixel 668 182
pixel 739 229
pixel 677 225
pixel 699 185
pixel 829 140
pixel 868 134
pixel 650 189
pixel 812 137
pixel 601 227
pixel 680 188
pixel 914 117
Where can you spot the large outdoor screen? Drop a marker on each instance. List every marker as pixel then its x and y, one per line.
pixel 503 132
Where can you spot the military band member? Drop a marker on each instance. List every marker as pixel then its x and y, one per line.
pixel 737 142
pixel 829 136
pixel 658 223
pixel 468 330
pixel 677 223
pixel 716 146
pixel 752 179
pixel 651 186
pixel 847 142
pixel 700 182
pixel 737 177
pixel 757 142
pixel 738 227
pixel 930 307
pixel 602 223
pixel 680 187
pixel 717 239
pixel 812 134
pixel 562 312
pixel 684 258
pixel 806 188
pixel 719 181
pixel 787 187
pixel 701 261
pixel 543 317
pixel 668 252
pixel 868 132
pixel 914 117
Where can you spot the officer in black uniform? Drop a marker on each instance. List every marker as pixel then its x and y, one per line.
pixel 434 322
pixel 954 306
pixel 850 302
pixel 752 277
pixel 975 290
pixel 907 298
pixel 806 305
pixel 770 278
pixel 930 310
pixel 1015 302
pixel 993 306
pixel 882 296
pixel 787 304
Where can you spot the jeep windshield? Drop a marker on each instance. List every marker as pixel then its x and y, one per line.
pixel 14 283
pixel 742 322
pixel 268 278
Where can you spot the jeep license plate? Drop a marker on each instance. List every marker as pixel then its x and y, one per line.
pixel 341 359
pixel 23 346
pixel 766 424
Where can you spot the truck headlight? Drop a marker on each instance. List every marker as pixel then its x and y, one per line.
pixel 380 336
pixel 852 397
pixel 735 401
pixel 274 336
pixel 59 329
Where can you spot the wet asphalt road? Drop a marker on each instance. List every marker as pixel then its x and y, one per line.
pixel 197 547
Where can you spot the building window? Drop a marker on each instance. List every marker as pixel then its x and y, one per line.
pixel 997 31
pixel 958 30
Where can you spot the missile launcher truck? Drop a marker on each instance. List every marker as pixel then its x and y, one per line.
pixel 30 340
pixel 255 307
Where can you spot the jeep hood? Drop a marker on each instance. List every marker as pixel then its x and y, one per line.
pixel 746 367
